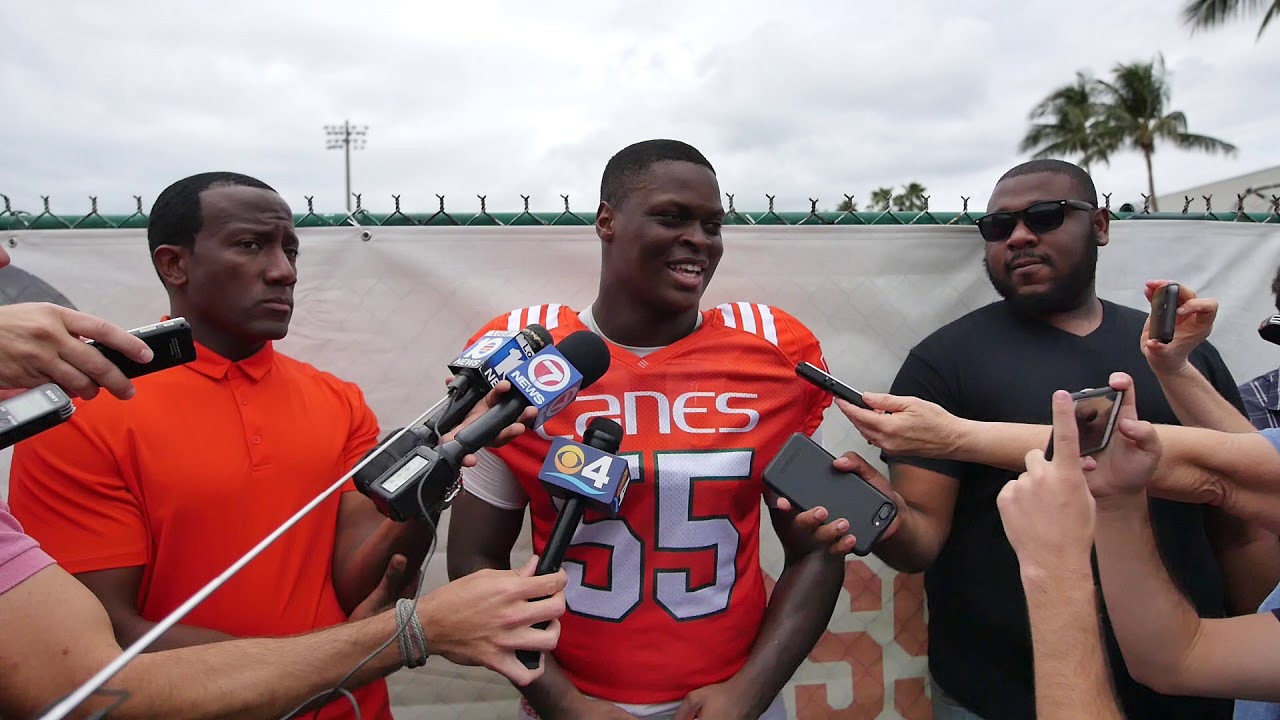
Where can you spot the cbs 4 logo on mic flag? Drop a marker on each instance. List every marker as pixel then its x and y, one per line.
pixel 576 470
pixel 549 382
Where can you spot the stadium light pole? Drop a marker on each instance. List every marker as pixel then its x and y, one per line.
pixel 346 136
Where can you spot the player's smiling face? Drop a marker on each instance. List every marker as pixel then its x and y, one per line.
pixel 665 237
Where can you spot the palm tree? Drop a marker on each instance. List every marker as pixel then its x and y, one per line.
pixel 1204 14
pixel 1134 113
pixel 912 198
pixel 1069 125
pixel 881 198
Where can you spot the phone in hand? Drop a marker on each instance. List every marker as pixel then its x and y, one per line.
pixel 802 472
pixel 170 342
pixel 1164 313
pixel 826 381
pixel 1095 410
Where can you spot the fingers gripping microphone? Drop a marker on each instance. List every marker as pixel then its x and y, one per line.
pixel 427 478
pixel 477 370
pixel 582 475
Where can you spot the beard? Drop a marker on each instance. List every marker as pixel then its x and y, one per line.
pixel 1068 292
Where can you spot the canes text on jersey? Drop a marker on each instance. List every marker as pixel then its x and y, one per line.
pixel 697 412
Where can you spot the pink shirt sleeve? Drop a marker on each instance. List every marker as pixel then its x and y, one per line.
pixel 20 555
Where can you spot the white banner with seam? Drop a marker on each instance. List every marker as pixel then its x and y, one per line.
pixel 388 307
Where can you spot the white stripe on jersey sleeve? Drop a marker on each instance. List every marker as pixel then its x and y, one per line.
pixel 553 317
pixel 726 310
pixel 748 317
pixel 767 325
pixel 513 320
pixel 493 482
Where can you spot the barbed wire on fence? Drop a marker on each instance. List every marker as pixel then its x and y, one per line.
pixel 47 219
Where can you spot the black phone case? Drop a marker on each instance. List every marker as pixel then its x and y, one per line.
pixel 170 340
pixel 1081 395
pixel 831 385
pixel 802 473
pixel 1164 313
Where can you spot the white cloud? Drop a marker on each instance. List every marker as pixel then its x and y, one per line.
pixel 503 98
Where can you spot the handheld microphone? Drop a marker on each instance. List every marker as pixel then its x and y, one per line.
pixel 477 370
pixel 549 381
pixel 1269 330
pixel 587 474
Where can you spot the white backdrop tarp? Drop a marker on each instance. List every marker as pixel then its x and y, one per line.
pixel 388 310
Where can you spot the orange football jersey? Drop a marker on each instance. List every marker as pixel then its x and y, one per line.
pixel 669 596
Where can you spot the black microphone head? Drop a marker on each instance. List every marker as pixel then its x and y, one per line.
pixel 538 336
pixel 588 353
pixel 603 434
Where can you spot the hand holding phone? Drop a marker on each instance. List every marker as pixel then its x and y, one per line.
pixel 1164 313
pixel 804 474
pixel 1095 413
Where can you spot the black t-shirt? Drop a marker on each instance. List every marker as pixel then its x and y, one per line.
pixel 994 365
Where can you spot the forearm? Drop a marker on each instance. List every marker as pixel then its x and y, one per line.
pixel 552 695
pixel 255 678
pixel 179 636
pixel 1237 472
pixel 1071 677
pixel 1197 403
pixel 1154 624
pixel 999 444
pixel 370 550
pixel 1248 556
pixel 798 612
pixel 913 545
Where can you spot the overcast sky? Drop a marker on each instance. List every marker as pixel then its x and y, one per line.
pixel 794 99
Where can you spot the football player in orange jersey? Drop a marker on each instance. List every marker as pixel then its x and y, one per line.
pixel 668 613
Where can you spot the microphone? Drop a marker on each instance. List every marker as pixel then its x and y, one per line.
pixel 1269 330
pixel 427 477
pixel 583 475
pixel 476 371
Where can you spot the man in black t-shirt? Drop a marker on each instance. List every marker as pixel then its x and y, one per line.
pixel 1001 363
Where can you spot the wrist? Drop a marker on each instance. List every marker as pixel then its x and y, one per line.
pixel 1057 573
pixel 1122 504
pixel 965 434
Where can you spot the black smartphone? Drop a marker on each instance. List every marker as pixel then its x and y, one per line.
pixel 824 380
pixel 802 473
pixel 1095 411
pixel 1164 313
pixel 1269 330
pixel 170 340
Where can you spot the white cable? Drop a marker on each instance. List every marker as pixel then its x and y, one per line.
pixel 62 709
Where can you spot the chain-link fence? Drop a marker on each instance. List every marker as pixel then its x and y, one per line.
pixel 16 219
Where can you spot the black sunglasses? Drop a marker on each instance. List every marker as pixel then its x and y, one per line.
pixel 1039 218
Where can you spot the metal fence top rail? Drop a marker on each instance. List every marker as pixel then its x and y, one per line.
pixel 11 219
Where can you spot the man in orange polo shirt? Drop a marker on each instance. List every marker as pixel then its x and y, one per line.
pixel 146 501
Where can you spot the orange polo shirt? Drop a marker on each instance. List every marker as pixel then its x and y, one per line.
pixel 202 464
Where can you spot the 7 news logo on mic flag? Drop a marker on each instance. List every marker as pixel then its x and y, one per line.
pixel 549 381
pixel 577 470
pixel 494 354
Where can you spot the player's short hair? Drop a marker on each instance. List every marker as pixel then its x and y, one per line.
pixel 633 161
pixel 176 216
pixel 1084 183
